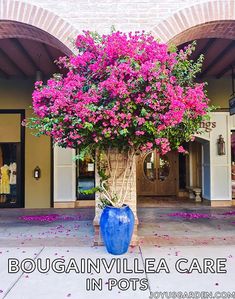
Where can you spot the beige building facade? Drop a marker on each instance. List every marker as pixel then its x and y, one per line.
pixel 53 26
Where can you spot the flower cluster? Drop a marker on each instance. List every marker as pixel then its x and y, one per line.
pixel 122 90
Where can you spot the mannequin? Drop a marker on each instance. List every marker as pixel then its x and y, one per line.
pixel 13 181
pixel 12 169
pixel 5 181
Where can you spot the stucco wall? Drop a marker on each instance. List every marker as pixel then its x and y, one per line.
pixel 16 94
pixel 219 91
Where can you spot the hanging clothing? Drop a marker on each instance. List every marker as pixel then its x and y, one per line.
pixel 12 169
pixel 5 180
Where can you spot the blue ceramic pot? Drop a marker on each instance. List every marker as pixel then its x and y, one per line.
pixel 116 225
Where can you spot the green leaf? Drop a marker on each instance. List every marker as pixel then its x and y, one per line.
pixel 124 132
pixel 88 126
pixel 143 112
pixel 89 191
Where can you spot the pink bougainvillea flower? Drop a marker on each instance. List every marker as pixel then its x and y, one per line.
pixel 124 90
pixel 182 150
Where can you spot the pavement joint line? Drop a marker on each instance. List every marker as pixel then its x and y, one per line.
pixel 19 277
pixel 146 275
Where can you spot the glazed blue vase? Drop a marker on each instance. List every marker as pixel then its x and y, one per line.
pixel 116 226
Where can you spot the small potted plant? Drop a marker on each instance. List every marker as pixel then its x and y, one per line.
pixel 122 94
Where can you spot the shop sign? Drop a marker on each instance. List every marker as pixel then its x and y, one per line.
pixel 208 125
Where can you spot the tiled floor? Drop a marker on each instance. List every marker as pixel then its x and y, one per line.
pixel 156 226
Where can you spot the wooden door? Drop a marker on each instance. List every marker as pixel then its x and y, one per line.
pixel 157 175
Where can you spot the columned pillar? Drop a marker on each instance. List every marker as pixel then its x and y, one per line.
pixel 216 172
pixel 131 200
pixel 221 165
pixel 64 178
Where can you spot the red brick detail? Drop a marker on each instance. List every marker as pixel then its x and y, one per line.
pixel 217 29
pixel 35 23
pixel 207 19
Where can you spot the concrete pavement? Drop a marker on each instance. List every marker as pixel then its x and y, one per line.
pixel 165 233
pixel 73 285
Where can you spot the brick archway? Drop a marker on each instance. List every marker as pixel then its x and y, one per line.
pixel 24 20
pixel 216 29
pixel 206 19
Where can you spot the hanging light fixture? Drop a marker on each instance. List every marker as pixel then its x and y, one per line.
pixel 221 146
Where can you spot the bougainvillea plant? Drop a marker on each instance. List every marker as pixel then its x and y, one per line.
pixel 122 92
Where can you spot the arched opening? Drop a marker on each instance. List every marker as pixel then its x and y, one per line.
pixel 205 174
pixel 215 41
pixel 223 29
pixel 27 54
pixel 198 15
pixel 26 50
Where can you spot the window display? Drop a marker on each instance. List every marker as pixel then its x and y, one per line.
pixel 8 173
pixel 85 178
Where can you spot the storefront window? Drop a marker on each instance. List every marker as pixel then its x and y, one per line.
pixel 11 159
pixel 8 173
pixel 85 178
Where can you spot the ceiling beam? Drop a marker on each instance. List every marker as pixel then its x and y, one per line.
pixel 225 69
pixel 49 56
pixel 12 62
pixel 4 74
pixel 206 48
pixel 20 46
pixel 218 58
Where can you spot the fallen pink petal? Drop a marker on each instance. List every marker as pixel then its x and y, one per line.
pixel 189 215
